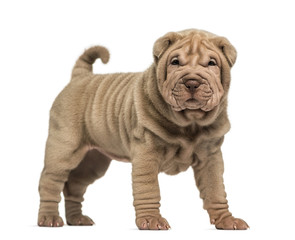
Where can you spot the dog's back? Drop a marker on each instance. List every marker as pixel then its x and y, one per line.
pixel 101 102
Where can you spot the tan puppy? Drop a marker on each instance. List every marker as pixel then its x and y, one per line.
pixel 169 118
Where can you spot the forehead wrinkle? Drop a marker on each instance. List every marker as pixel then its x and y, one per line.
pixel 202 50
pixel 182 45
pixel 194 45
pixel 195 50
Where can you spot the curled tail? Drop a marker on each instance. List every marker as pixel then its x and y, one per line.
pixel 85 61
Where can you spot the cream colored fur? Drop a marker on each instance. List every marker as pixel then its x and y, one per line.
pixel 166 119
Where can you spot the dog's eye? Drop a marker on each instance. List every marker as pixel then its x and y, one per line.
pixel 212 62
pixel 174 61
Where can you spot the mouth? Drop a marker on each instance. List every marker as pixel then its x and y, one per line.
pixel 193 104
pixel 192 101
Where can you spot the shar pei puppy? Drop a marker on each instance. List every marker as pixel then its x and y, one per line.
pixel 166 119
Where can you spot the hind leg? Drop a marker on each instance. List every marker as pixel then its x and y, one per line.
pixel 58 165
pixel 93 166
pixel 64 151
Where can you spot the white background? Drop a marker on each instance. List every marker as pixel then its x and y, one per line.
pixel 41 40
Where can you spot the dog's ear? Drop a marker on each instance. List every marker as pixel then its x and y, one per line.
pixel 227 49
pixel 163 43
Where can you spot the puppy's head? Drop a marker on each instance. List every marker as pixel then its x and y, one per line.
pixel 193 70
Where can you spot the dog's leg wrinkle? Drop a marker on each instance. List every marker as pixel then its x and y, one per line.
pixel 146 192
pixel 52 181
pixel 93 166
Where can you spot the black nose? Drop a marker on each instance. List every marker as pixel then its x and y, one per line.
pixel 191 85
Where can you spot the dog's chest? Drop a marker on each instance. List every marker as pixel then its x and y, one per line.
pixel 177 159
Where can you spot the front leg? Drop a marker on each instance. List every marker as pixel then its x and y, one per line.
pixel 209 180
pixel 146 192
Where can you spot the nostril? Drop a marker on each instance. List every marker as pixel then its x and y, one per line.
pixel 191 85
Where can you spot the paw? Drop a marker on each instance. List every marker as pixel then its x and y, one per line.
pixel 231 223
pixel 152 223
pixel 50 221
pixel 79 220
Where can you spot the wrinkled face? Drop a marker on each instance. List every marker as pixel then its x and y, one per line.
pixel 193 75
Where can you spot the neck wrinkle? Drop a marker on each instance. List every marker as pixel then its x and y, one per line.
pixel 154 96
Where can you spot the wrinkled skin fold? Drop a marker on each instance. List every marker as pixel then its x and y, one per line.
pixel 193 68
pixel 166 119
